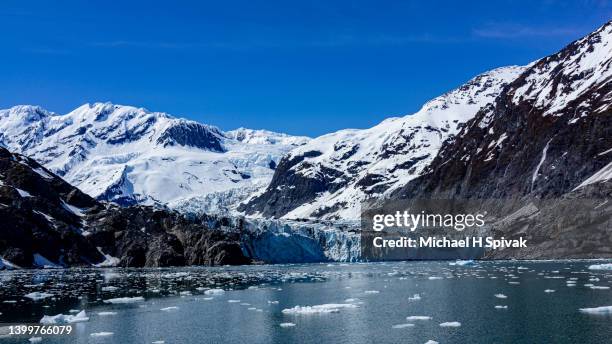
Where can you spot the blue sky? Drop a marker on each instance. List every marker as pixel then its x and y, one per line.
pixel 302 67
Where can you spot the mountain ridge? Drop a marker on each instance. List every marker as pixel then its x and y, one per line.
pixel 110 152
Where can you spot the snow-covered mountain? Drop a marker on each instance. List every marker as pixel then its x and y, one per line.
pixel 548 134
pixel 131 155
pixel 331 175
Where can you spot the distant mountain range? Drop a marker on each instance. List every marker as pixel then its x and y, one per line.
pixel 537 131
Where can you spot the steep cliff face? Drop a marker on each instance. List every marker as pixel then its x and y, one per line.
pixel 46 222
pixel 331 175
pixel 544 149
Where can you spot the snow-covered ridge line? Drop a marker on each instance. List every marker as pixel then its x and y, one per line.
pixel 131 155
pixel 331 175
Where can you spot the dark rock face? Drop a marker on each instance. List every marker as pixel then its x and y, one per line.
pixel 536 145
pixel 288 189
pixel 43 216
pixel 193 135
pixel 519 147
pixel 144 236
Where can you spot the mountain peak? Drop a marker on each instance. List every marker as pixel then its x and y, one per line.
pixel 26 113
pixel 555 81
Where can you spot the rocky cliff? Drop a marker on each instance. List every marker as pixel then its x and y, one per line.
pixel 46 222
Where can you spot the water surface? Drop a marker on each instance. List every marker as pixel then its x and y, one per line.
pixel 542 298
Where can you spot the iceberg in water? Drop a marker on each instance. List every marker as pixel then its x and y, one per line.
pixel 37 296
pixel 418 317
pixel 318 309
pixel 214 292
pixel 64 319
pixel 125 300
pixel 601 267
pixel 597 310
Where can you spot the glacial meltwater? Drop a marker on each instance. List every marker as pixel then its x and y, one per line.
pixel 398 302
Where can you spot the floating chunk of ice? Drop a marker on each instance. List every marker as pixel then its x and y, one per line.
pixel 501 307
pixel 549 291
pixel 431 342
pixel 214 292
pixel 35 340
pixel 287 324
pixel 501 296
pixel 601 267
pixel 462 263
pixel 450 324
pixel 418 317
pixel 64 319
pixel 414 297
pixel 101 334
pixel 597 310
pixel 104 314
pixel 37 296
pixel 120 300
pixel 109 288
pixel 371 292
pixel 402 325
pixel 318 309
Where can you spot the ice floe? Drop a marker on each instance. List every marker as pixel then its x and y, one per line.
pixel 104 314
pixel 462 263
pixel 601 267
pixel 101 334
pixel 109 288
pixel 450 324
pixel 64 319
pixel 597 310
pixel 37 296
pixel 214 292
pixel 501 296
pixel 287 324
pixel 402 325
pixel 318 309
pixel 120 300
pixel 418 317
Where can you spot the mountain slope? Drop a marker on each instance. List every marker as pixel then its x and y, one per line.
pixel 547 134
pixel 543 150
pixel 130 155
pixel 331 175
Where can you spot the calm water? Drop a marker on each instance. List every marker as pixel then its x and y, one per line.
pixel 375 298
